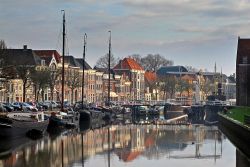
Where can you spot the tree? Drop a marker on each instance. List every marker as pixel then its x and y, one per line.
pixel 232 77
pixel 154 62
pixel 23 72
pixel 191 69
pixel 53 76
pixel 182 86
pixel 3 64
pixel 206 86
pixel 137 58
pixel 40 79
pixel 190 88
pixel 73 81
pixel 167 85
pixel 103 61
pixel 3 45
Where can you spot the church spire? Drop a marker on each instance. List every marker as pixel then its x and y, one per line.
pixel 215 67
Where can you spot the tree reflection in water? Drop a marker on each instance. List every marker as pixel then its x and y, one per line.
pixel 126 142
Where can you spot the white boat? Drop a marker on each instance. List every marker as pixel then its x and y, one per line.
pixel 17 124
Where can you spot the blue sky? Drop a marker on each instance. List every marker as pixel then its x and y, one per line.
pixel 196 33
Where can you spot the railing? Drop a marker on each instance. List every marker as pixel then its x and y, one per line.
pixel 219 103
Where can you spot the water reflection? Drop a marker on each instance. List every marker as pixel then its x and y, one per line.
pixel 121 145
pixel 129 141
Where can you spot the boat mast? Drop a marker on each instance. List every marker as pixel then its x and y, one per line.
pixel 83 66
pixel 109 68
pixel 63 55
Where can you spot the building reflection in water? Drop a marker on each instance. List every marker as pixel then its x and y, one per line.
pixel 126 142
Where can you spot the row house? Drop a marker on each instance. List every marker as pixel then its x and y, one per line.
pixel 151 85
pixel 105 84
pixel 73 79
pixel 119 85
pixel 90 87
pixel 22 60
pixel 129 69
pixel 173 76
pixel 201 84
pixel 99 87
pixel 50 59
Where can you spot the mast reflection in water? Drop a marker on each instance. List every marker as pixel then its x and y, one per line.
pixel 128 145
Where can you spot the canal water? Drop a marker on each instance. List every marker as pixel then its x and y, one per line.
pixel 124 144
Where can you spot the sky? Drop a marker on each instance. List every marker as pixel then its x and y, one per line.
pixel 194 33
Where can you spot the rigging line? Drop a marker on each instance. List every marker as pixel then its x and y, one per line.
pixel 59 37
pixel 67 40
pixel 67 46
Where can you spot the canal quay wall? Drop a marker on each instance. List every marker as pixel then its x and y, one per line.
pixel 237 133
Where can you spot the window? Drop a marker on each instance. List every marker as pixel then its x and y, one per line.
pixel 244 60
pixel 43 62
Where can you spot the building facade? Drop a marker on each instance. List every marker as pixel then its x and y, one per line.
pixel 130 69
pixel 243 73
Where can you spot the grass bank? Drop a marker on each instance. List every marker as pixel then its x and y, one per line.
pixel 237 113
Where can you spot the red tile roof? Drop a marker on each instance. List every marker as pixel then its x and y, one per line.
pixel 150 76
pixel 128 63
pixel 48 53
pixel 128 156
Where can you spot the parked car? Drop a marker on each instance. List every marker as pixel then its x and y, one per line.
pixel 2 109
pixel 28 107
pixel 32 104
pixel 78 105
pixel 51 104
pixel 24 106
pixel 8 107
pixel 17 106
pixel 42 107
pixel 66 104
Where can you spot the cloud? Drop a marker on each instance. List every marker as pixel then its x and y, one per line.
pixel 160 26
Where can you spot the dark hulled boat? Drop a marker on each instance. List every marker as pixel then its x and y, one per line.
pixel 17 124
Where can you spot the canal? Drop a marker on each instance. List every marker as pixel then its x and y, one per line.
pixel 124 143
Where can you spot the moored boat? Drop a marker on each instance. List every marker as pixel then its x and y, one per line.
pixel 17 124
pixel 124 112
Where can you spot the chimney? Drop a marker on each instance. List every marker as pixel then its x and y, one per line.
pixel 25 47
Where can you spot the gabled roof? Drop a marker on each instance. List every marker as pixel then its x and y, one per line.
pixel 86 65
pixel 46 54
pixel 171 69
pixel 21 57
pixel 188 77
pixel 150 76
pixel 127 155
pixel 128 63
pixel 104 70
pixel 71 61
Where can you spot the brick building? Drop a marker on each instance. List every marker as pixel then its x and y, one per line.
pixel 129 69
pixel 243 73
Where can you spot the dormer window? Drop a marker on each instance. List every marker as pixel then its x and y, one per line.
pixel 244 60
pixel 53 67
pixel 42 62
